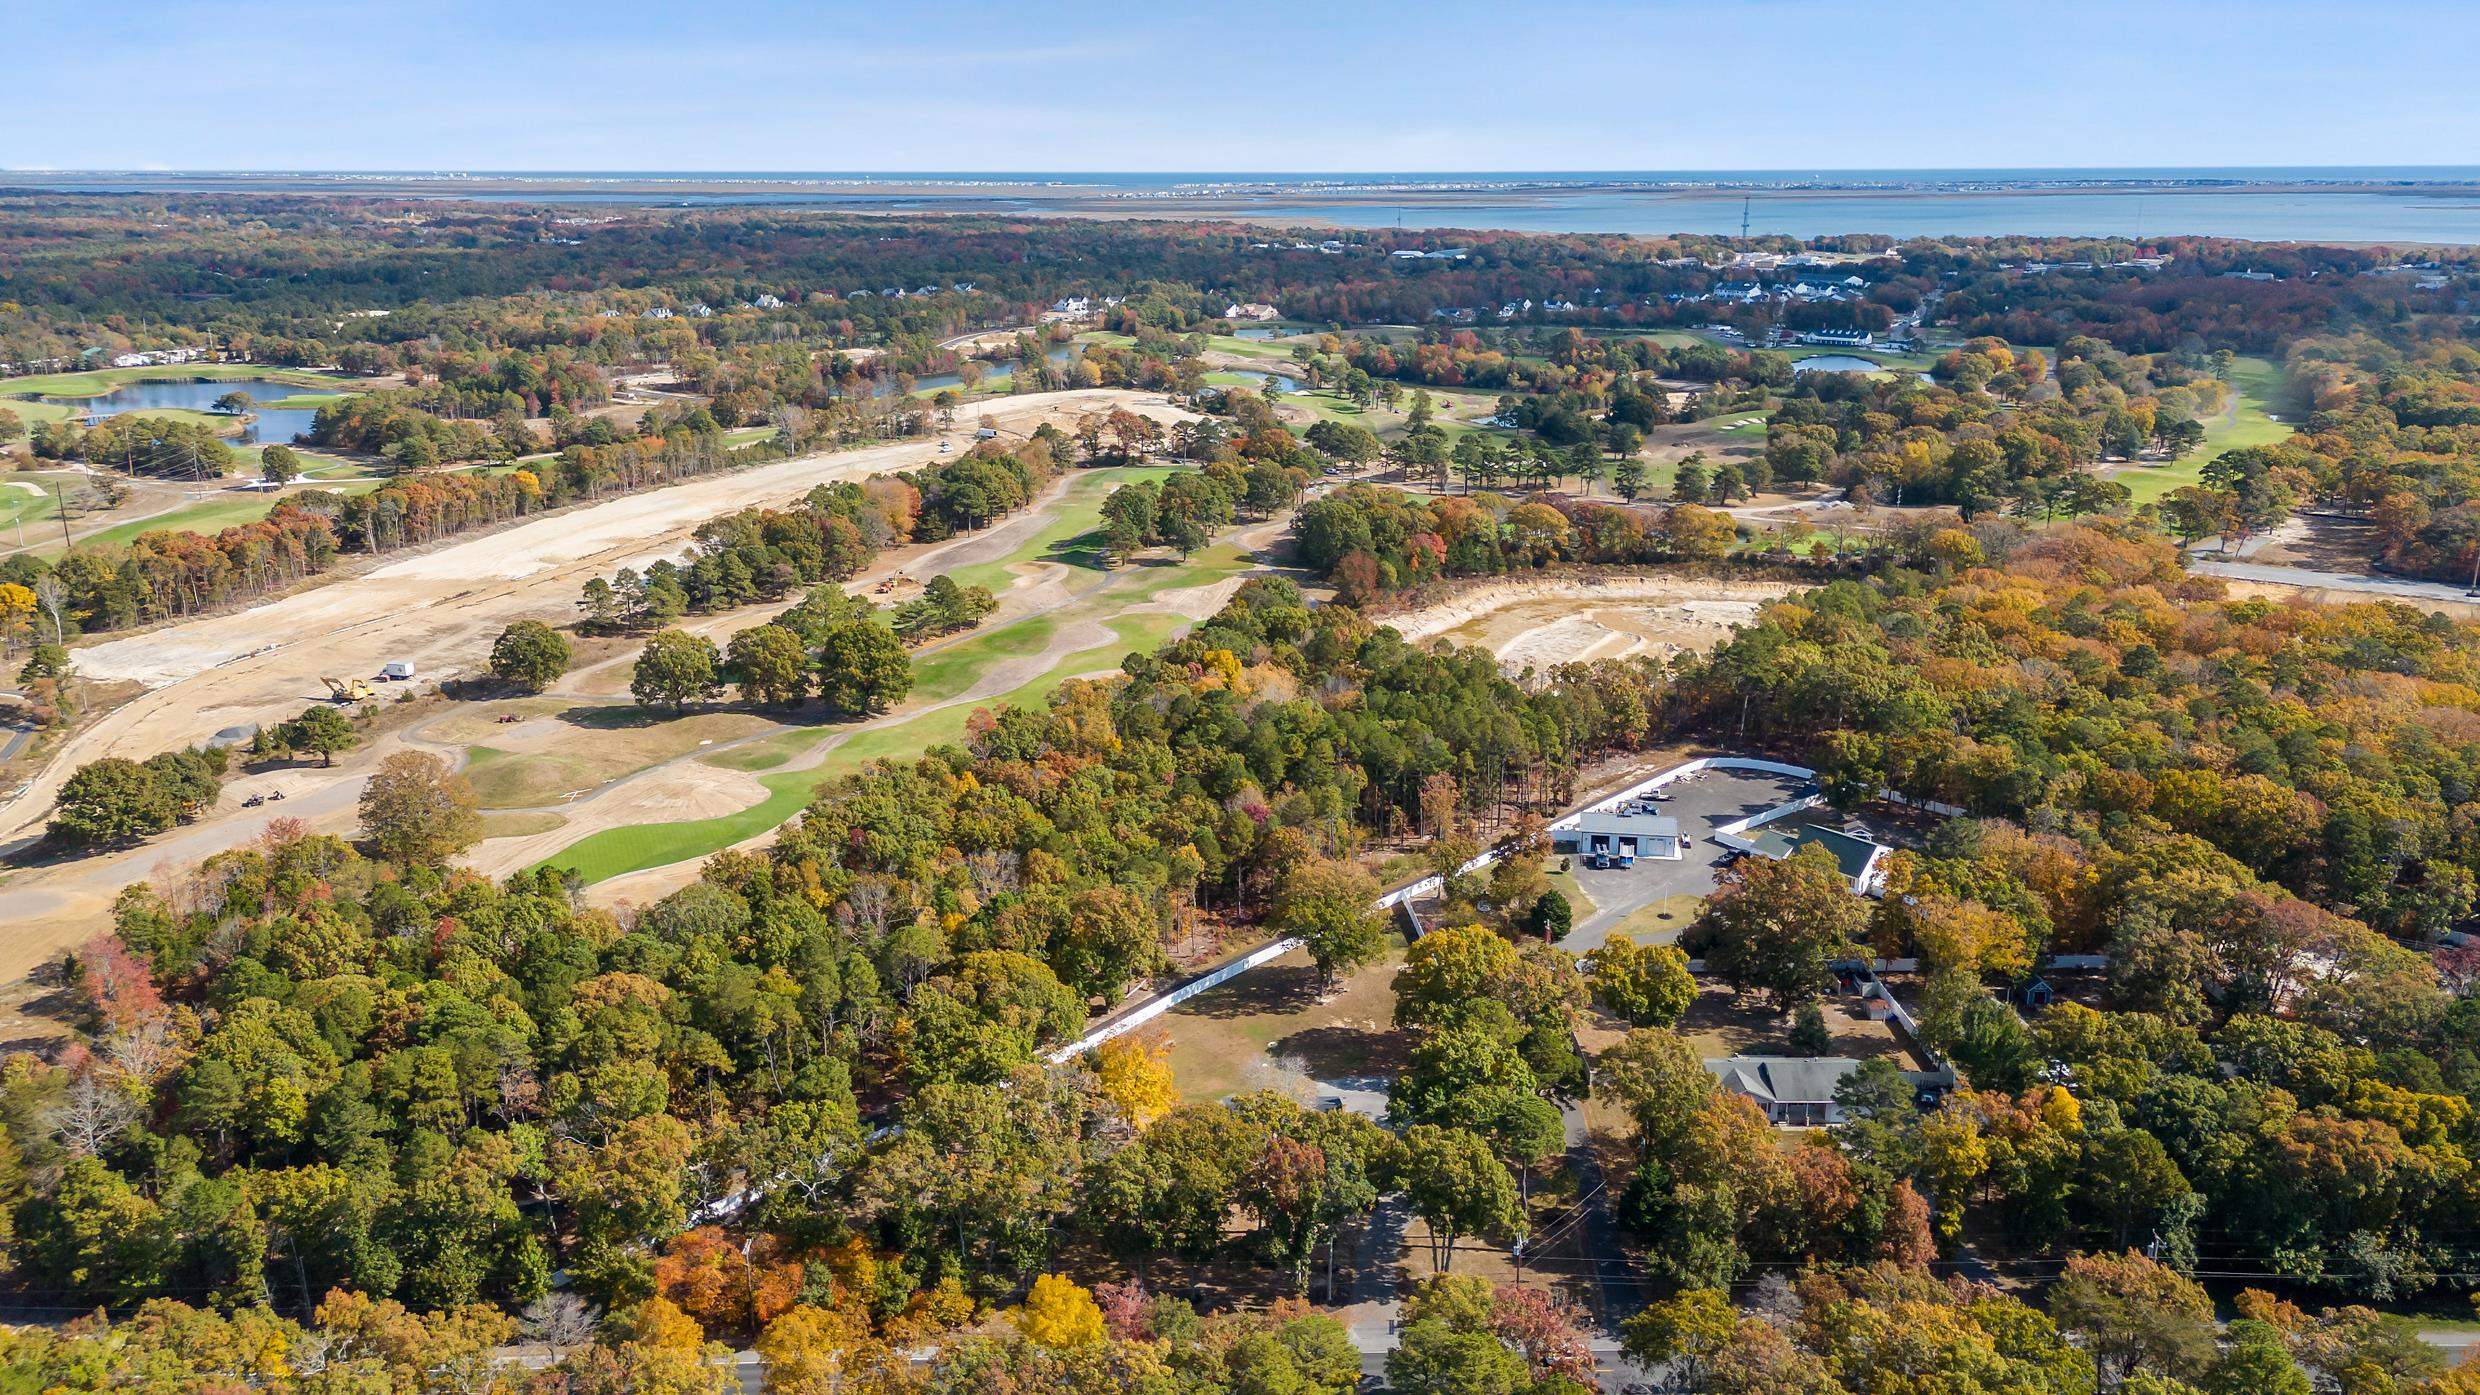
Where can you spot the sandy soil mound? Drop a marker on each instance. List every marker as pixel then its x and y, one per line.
pixel 1570 620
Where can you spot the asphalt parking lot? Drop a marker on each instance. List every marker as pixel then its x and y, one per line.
pixel 1699 802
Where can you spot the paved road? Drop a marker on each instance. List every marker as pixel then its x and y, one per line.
pixel 2387 587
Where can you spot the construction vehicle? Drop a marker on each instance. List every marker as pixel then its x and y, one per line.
pixel 349 689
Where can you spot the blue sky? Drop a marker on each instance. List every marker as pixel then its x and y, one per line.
pixel 1257 85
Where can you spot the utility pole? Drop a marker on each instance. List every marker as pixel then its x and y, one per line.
pixel 60 506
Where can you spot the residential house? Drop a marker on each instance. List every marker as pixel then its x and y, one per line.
pixel 1797 1092
pixel 1861 859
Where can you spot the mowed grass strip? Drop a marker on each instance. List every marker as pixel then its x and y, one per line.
pixel 99 382
pixel 2255 383
pixel 1073 536
pixel 617 851
pixel 943 675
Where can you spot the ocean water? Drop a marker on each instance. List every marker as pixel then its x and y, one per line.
pixel 2332 204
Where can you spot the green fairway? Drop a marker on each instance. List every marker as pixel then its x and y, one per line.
pixel 28 499
pixel 1072 534
pixel 96 382
pixel 212 515
pixel 303 401
pixel 2255 383
pixel 943 675
pixel 1250 348
pixel 615 852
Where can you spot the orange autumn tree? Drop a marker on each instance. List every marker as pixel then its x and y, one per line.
pixel 709 1276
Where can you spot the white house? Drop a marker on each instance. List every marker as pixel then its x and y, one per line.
pixel 1252 310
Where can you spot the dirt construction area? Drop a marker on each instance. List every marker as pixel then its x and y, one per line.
pixel 1536 624
pixel 440 611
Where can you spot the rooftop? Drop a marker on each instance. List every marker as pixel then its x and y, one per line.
pixel 1784 1079
pixel 1635 825
pixel 1781 840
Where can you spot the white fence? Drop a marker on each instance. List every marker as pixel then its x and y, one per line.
pixel 1404 895
pixel 1138 1016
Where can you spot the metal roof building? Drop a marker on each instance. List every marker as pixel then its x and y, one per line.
pixel 1624 835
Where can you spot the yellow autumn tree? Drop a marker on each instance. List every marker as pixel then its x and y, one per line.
pixel 808 1350
pixel 16 608
pixel 1060 1315
pixel 1137 1078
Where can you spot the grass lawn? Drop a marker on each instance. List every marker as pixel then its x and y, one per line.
pixel 1072 536
pixel 305 401
pixel 31 503
pixel 96 382
pixel 941 675
pixel 764 753
pixel 1267 1028
pixel 1659 922
pixel 621 850
pixel 1577 901
pixel 1250 348
pixel 2256 382
pixel 209 516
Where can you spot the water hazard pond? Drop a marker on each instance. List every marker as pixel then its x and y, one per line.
pixel 266 425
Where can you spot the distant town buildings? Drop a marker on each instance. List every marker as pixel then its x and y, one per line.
pixel 153 357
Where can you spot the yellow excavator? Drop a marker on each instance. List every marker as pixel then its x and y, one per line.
pixel 349 689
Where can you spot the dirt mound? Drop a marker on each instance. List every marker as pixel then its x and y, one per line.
pixel 1573 619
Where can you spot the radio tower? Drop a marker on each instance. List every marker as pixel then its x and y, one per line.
pixel 1743 218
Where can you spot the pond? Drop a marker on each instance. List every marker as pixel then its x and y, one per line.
pixel 1835 363
pixel 1260 332
pixel 1280 382
pixel 265 424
